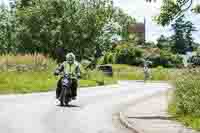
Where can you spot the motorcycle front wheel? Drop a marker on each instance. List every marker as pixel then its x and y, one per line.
pixel 63 97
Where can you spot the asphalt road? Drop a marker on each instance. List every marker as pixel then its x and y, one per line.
pixel 95 110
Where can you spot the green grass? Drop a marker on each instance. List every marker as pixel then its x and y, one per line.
pixel 25 82
pixel 187 120
pixel 87 83
pixel 126 72
pixel 36 74
pixel 185 101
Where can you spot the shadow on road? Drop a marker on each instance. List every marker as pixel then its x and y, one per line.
pixel 70 106
pixel 153 117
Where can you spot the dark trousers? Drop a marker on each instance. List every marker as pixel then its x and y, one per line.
pixel 74 87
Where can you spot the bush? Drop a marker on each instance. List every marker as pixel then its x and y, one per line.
pixel 123 54
pixel 166 59
pixel 187 93
pixel 109 58
pixel 195 61
pixel 132 55
pixel 129 55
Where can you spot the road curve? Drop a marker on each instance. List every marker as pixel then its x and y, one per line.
pixel 94 111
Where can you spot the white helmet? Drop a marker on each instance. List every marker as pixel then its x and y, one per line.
pixel 70 58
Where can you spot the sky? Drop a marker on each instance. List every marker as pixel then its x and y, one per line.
pixel 139 9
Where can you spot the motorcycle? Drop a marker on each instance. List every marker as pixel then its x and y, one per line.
pixel 65 95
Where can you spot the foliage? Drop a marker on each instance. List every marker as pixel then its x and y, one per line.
pixel 24 82
pixel 126 72
pixel 163 58
pixel 164 42
pixel 185 99
pixel 126 54
pixel 110 34
pixel 124 20
pixel 187 93
pixel 5 26
pixel 123 54
pixel 197 9
pixel 167 59
pixel 150 44
pixel 21 74
pixel 173 9
pixel 87 28
pixel 198 52
pixel 109 58
pixel 73 25
pixel 183 35
pixel 134 55
pixel 195 60
pixel 187 120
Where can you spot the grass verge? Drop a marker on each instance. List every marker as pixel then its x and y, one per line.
pixel 185 101
pixel 187 120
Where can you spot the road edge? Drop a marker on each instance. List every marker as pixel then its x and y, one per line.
pixel 124 121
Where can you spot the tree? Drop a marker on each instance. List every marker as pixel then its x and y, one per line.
pixel 183 35
pixel 163 42
pixel 7 35
pixel 74 25
pixel 4 26
pixel 25 3
pixel 124 20
pixel 109 36
pixel 173 9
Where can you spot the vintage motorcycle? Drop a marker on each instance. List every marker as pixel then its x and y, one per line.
pixel 65 95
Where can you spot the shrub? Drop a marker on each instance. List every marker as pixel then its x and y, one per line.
pixel 187 93
pixel 100 60
pixel 109 58
pixel 198 52
pixel 129 55
pixel 195 60
pixel 166 59
pixel 85 63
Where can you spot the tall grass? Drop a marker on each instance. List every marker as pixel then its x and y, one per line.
pixel 99 77
pixel 25 62
pixel 34 73
pixel 187 93
pixel 126 72
pixel 185 103
pixel 25 82
pixel 26 73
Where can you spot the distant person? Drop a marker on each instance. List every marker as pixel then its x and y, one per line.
pixel 146 70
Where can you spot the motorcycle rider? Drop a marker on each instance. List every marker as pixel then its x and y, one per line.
pixel 71 67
